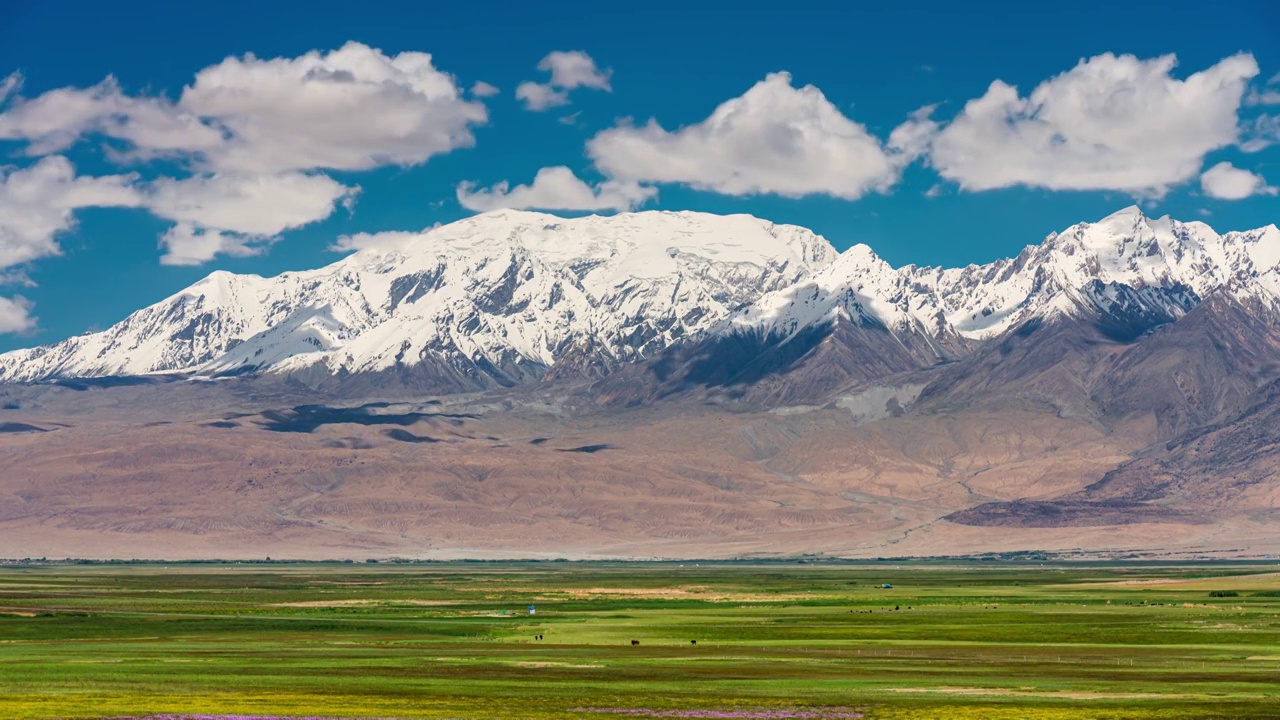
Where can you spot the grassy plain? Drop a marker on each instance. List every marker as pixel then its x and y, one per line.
pixel 966 640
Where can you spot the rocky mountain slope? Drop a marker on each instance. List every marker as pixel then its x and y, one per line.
pixel 492 300
pixel 706 387
pixel 499 299
pixel 859 319
pixel 1127 266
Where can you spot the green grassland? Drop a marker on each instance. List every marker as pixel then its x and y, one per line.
pixel 453 640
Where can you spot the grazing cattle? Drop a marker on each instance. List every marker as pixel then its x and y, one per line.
pixel 635 642
pixel 693 642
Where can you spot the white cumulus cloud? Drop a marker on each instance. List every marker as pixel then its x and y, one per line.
pixel 569 69
pixel 1260 133
pixel 251 132
pixel 539 97
pixel 224 213
pixel 774 139
pixel 248 203
pixel 189 244
pixel 1110 123
pixel 556 188
pixel 37 203
pixel 574 69
pixel 354 108
pixel 1225 181
pixel 1269 95
pixel 238 215
pixel 57 119
pixel 15 314
pixel 381 240
pixel 484 89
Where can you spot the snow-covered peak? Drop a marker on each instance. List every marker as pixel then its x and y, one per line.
pixel 1125 248
pixel 1088 267
pixel 860 288
pixel 498 297
pixel 503 296
pixel 645 244
pixel 1262 246
pixel 1122 220
pixel 834 291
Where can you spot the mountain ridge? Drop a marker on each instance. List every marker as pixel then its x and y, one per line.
pixel 1119 396
pixel 494 298
pixel 510 297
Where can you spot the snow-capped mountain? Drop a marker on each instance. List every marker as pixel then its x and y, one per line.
pixel 859 287
pixel 500 298
pixel 1124 249
pixel 1125 267
pixel 497 298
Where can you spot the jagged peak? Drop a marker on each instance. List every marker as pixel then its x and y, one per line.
pixel 858 260
pixel 503 290
pixel 216 287
pixel 981 301
pixel 1130 214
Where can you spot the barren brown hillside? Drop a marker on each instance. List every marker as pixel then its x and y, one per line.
pixel 186 471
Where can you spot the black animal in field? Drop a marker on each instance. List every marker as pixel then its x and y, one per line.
pixel 635 642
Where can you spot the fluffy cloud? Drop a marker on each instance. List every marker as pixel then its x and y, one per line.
pixel 1110 123
pixel 250 204
pixel 539 97
pixel 354 108
pixel 38 203
pixel 773 139
pixel 382 240
pixel 252 131
pixel 55 120
pixel 15 315
pixel 350 109
pixel 912 138
pixel 574 69
pixel 238 215
pixel 1269 95
pixel 569 70
pixel 188 244
pixel 1260 133
pixel 556 188
pixel 216 214
pixel 1228 182
pixel 484 89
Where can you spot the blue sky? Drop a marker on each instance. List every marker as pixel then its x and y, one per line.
pixel 951 191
